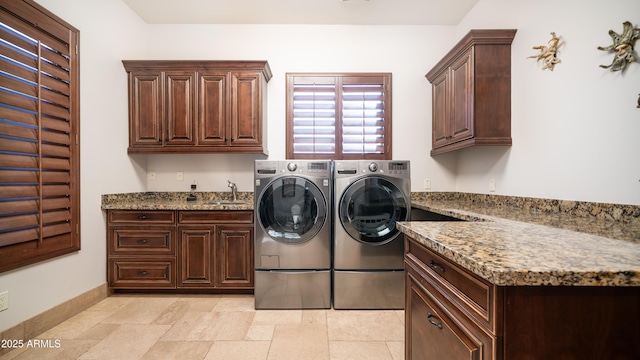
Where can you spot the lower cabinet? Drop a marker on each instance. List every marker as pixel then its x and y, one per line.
pixel 165 250
pixel 450 313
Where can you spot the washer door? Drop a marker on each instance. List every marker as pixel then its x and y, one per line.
pixel 292 210
pixel 369 209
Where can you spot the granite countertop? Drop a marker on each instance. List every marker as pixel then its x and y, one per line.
pixel 523 246
pixel 176 201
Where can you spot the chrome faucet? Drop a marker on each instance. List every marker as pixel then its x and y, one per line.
pixel 234 190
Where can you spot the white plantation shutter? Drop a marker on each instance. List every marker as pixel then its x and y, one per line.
pixel 314 116
pixel 39 121
pixel 339 116
pixel 363 116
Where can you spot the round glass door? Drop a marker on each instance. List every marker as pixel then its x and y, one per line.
pixel 292 210
pixel 369 209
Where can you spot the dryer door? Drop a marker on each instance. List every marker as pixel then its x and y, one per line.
pixel 369 209
pixel 292 210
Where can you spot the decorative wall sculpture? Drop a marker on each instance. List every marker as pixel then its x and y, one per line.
pixel 548 54
pixel 622 47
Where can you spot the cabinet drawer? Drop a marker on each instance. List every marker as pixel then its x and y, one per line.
pixel 434 332
pixel 213 217
pixel 157 274
pixel 129 240
pixel 142 216
pixel 475 296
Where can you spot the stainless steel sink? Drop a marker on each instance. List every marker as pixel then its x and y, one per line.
pixel 228 203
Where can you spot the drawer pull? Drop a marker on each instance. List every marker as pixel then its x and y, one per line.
pixel 143 241
pixel 143 272
pixel 438 324
pixel 143 217
pixel 436 267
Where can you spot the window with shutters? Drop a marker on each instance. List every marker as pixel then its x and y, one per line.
pixel 39 128
pixel 339 116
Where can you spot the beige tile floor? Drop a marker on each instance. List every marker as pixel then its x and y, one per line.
pixel 218 327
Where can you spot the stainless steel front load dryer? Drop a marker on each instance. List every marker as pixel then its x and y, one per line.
pixel 370 197
pixel 293 234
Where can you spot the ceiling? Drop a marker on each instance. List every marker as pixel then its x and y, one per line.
pixel 344 12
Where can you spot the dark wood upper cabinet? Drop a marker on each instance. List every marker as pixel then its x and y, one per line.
pixel 197 106
pixel 471 92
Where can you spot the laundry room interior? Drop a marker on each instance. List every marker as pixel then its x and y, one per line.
pixel 327 179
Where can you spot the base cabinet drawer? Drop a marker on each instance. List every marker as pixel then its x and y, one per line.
pixel 133 274
pixel 434 332
pixel 127 240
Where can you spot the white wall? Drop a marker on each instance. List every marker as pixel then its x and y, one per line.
pixel 574 129
pixel 111 33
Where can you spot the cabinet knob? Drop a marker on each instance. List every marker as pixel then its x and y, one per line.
pixel 432 322
pixel 143 272
pixel 143 217
pixel 143 241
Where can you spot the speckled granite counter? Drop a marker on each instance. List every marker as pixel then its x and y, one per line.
pixel 519 241
pixel 176 201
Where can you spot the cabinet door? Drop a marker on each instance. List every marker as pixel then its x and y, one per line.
pixel 461 80
pixel 432 333
pixel 195 257
pixel 213 107
pixel 180 108
pixel 246 117
pixel 441 127
pixel 235 256
pixel 145 109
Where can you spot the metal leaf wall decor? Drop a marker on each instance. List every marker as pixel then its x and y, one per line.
pixel 622 47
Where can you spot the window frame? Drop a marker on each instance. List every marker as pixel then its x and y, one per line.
pixel 339 79
pixel 40 130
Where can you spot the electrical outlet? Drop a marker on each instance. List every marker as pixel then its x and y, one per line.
pixel 492 184
pixel 4 301
pixel 180 175
pixel 427 184
pixel 151 175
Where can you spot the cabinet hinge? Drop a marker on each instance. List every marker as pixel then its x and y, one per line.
pixel 77 138
pixel 76 49
pixel 77 229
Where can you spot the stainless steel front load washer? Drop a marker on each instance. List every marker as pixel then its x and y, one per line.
pixel 370 197
pixel 293 234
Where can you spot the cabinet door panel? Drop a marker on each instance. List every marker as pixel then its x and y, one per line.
pixel 440 111
pixel 179 107
pixel 145 109
pixel 235 251
pixel 213 109
pixel 246 122
pixel 196 257
pixel 462 98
